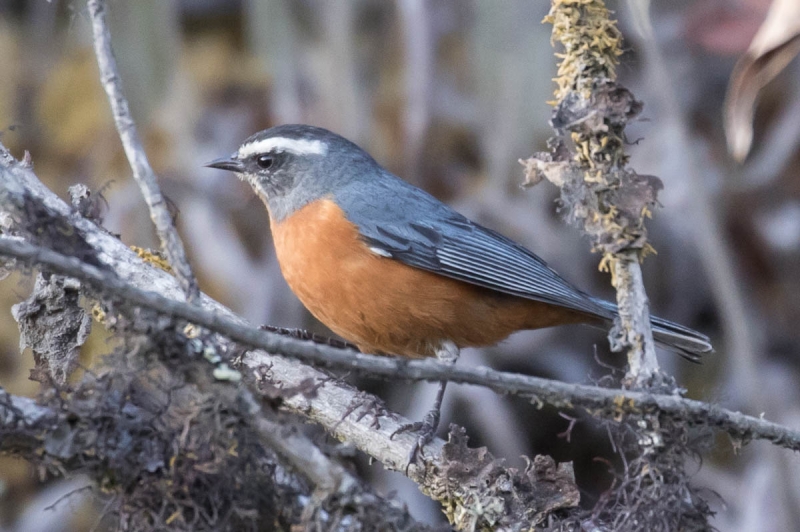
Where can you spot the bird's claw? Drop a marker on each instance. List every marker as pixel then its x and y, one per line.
pixel 425 429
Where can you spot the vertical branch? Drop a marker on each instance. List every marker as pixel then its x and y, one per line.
pixel 605 198
pixel 610 203
pixel 634 331
pixel 134 150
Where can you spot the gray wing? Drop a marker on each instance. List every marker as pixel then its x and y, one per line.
pixel 410 226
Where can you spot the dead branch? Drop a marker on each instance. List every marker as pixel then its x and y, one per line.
pixel 134 150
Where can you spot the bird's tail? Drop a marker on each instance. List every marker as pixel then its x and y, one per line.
pixel 686 342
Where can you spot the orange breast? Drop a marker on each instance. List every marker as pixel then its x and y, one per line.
pixel 384 306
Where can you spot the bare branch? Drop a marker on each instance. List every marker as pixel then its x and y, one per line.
pixel 134 150
pixel 328 476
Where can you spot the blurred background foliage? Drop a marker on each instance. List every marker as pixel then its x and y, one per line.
pixel 449 95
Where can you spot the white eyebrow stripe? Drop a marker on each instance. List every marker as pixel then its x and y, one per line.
pixel 296 146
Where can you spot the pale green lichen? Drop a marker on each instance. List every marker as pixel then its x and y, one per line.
pixel 591 114
pixel 591 43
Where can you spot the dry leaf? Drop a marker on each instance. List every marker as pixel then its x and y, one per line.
pixel 774 46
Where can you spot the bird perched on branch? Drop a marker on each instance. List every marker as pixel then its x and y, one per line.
pixel 393 270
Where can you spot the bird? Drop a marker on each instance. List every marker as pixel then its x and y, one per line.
pixel 393 270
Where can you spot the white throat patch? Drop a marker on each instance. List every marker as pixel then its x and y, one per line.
pixel 296 146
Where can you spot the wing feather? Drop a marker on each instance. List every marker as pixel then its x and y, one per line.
pixel 471 253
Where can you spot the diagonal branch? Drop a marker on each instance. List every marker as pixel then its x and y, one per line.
pixel 134 150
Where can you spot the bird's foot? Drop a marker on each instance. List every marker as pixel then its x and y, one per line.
pixel 425 429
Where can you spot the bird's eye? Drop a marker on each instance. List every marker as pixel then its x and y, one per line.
pixel 264 161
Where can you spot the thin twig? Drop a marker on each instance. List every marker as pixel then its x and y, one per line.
pixel 597 400
pixel 134 150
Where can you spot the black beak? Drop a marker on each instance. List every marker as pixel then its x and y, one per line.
pixel 226 163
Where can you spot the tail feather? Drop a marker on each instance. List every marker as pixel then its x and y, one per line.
pixel 686 342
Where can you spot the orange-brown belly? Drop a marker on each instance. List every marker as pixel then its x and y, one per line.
pixel 384 306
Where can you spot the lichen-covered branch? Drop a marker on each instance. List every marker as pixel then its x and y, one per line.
pixel 177 457
pixel 607 200
pixel 610 202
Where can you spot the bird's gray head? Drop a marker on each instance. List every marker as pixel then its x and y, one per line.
pixel 292 165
